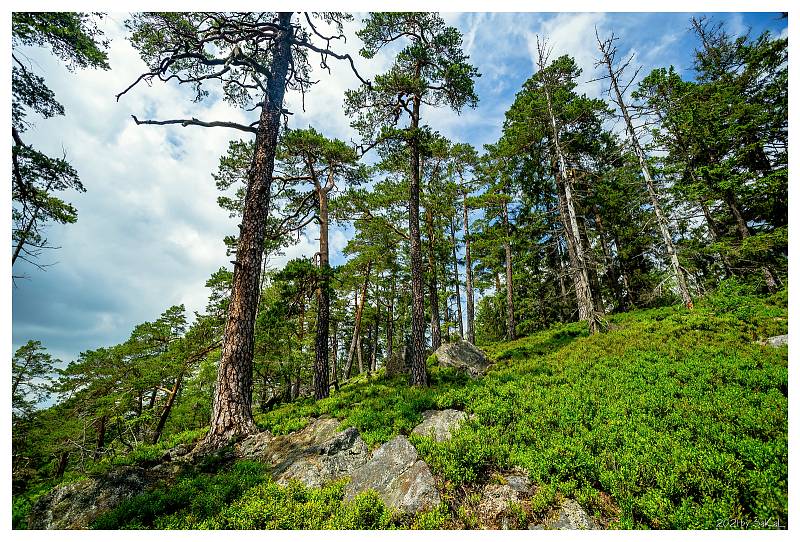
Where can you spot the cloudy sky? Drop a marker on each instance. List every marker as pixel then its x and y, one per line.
pixel 149 231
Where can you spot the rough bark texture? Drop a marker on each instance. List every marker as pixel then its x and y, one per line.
pixel 419 373
pixel 468 277
pixel 231 413
pixel 321 369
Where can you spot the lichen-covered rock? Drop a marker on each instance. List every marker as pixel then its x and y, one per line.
pixel 464 356
pixel 78 504
pixel 496 509
pixel 399 363
pixel 439 424
pixel 778 340
pixel 401 479
pixel 571 517
pixel 314 455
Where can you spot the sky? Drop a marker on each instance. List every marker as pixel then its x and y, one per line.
pixel 149 231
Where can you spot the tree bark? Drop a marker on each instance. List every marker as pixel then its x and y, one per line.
pixel 231 414
pixel 457 280
pixel 162 420
pixel 356 343
pixel 101 436
pixel 335 354
pixel 744 233
pixel 419 373
pixel 321 369
pixel 468 277
pixel 586 309
pixel 663 226
pixel 433 286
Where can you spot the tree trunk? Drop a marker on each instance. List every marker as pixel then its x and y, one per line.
pixel 63 459
pixel 511 328
pixel 433 286
pixel 744 233
pixel 231 414
pixel 321 369
pixel 390 319
pixel 335 354
pixel 356 343
pixel 586 309
pixel 468 277
pixel 101 436
pixel 608 261
pixel 456 280
pixel 663 226
pixel 173 393
pixel 419 373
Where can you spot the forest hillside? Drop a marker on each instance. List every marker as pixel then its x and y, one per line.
pixel 540 282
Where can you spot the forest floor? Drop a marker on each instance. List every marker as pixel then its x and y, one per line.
pixel 670 418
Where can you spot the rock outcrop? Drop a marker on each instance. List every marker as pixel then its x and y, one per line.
pixel 464 356
pixel 401 479
pixel 399 363
pixel 571 516
pixel 439 424
pixel 778 340
pixel 316 454
pixel 498 500
pixel 76 505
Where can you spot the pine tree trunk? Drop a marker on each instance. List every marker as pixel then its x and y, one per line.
pixel 511 331
pixel 101 436
pixel 608 261
pixel 356 342
pixel 456 280
pixel 663 226
pixel 390 318
pixel 586 309
pixel 744 233
pixel 231 414
pixel 419 373
pixel 321 369
pixel 162 420
pixel 433 286
pixel 468 277
pixel 335 354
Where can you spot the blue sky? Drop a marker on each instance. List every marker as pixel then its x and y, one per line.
pixel 149 231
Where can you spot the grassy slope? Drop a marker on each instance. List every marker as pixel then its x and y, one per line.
pixel 670 419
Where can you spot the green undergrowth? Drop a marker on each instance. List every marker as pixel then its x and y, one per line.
pixel 671 418
pixel 243 497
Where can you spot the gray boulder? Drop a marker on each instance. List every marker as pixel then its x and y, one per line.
pixel 464 356
pixel 497 499
pixel 399 363
pixel 314 455
pixel 439 424
pixel 76 505
pixel 572 517
pixel 401 479
pixel 778 340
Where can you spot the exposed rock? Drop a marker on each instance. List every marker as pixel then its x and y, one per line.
pixel 495 509
pixel 464 356
pixel 401 479
pixel 399 363
pixel 439 424
pixel 778 340
pixel 316 454
pixel 76 505
pixel 571 516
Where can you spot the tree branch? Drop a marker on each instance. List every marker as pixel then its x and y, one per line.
pixel 196 122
